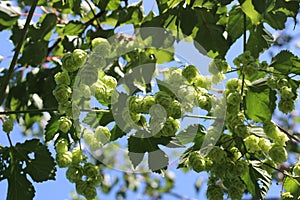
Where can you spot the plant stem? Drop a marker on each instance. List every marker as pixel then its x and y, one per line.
pixel 200 116
pixel 17 51
pixel 9 140
pixel 244 49
pixel 9 112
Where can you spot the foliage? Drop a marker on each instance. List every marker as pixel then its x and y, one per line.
pixel 242 149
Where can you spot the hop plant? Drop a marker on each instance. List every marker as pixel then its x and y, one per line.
pixel 147 103
pixel 62 78
pixel 233 84
pixel 170 127
pixel 286 93
pixel 64 124
pixel 79 57
pixel 286 105
pixel 202 82
pixel 102 134
pixel 101 46
pixel 197 162
pixel 174 110
pixel 77 156
pixel 251 143
pixel 64 159
pixel 68 63
pixel 61 145
pixel 74 173
pixel 163 99
pixel 214 192
pixel 8 125
pixel 190 72
pixel 273 132
pixel 62 93
pixel 90 170
pixel 80 186
pixel 109 81
pixel 278 153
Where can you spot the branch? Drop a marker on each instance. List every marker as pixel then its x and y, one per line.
pixel 102 12
pixel 287 133
pixel 9 112
pixel 17 51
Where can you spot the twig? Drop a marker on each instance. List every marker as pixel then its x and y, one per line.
pixel 17 51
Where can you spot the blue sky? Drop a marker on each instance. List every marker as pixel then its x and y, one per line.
pixel 61 189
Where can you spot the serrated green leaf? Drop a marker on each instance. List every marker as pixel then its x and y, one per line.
pixel 73 28
pixel 210 36
pixel 116 133
pixel 235 27
pixel 286 62
pixel 34 53
pixel 136 158
pixel 193 133
pixel 157 160
pixel 263 6
pixel 250 11
pixel 19 187
pixel 292 185
pixel 260 105
pixel 259 40
pixel 42 166
pixel 51 128
pixel 94 119
pixel 188 20
pixel 257 180
pixel 161 55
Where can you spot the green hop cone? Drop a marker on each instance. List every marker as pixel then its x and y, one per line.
pixel 62 93
pixel 64 159
pixel 170 127
pixel 163 98
pixel 95 181
pixel 286 105
pixel 135 104
pixel 64 124
pixel 251 143
pixel 190 72
pixel 278 153
pixel 214 192
pixel 74 173
pixel 197 162
pixel 68 63
pixel 234 98
pixel 77 156
pixel 233 84
pixel 282 82
pixel 61 146
pixel 147 103
pixel 202 82
pixel 62 78
pixel 8 125
pixel 79 57
pixel 90 170
pixel 272 83
pixel 109 81
pixel 102 134
pixel 174 110
pixel 101 46
pixel 80 186
pixel 286 93
pixel 90 192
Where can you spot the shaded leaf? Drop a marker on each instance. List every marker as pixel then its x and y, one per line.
pixel 51 128
pixel 257 180
pixel 42 166
pixel 260 105
pixel 259 40
pixel 19 187
pixel 286 63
